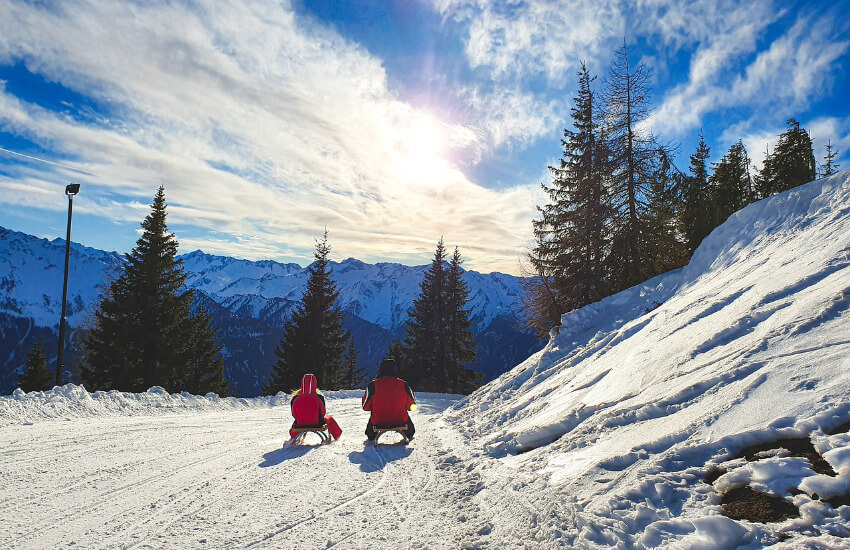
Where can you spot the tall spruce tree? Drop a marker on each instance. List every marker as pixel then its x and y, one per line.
pixel 731 182
pixel 791 163
pixel 315 339
pixel 569 255
pixel 460 346
pixel 144 332
pixel 424 339
pixel 665 245
pixel 35 376
pixel 697 212
pixel 829 165
pixel 352 377
pixel 204 372
pixel 437 340
pixel 632 150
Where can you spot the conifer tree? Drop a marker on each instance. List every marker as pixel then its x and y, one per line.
pixel 424 343
pixel 632 150
pixel 432 351
pixel 571 242
pixel 144 332
pixel 460 347
pixel 204 372
pixel 731 183
pixel 35 376
pixel 830 167
pixel 697 210
pixel 665 245
pixel 352 376
pixel 791 163
pixel 315 340
pixel 538 294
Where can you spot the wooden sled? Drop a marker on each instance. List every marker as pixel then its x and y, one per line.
pixel 399 429
pixel 302 433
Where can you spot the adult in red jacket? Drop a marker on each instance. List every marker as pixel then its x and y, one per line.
pixel 308 408
pixel 388 398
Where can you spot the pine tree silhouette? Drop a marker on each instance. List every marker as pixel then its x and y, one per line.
pixel 791 163
pixel 569 256
pixel 697 212
pixel 315 340
pixel 145 334
pixel 438 338
pixel 35 376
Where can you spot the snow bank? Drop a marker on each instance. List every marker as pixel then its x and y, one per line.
pixel 747 343
pixel 71 401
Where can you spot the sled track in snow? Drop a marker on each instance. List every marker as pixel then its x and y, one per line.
pixel 219 480
pixel 113 495
pixel 408 501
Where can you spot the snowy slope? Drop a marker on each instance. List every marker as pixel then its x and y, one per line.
pixel 623 411
pixel 31 271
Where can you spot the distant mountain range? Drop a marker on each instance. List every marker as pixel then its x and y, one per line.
pixel 249 301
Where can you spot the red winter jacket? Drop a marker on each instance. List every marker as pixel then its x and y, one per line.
pixel 308 407
pixel 389 399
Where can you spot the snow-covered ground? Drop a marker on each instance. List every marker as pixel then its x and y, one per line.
pixel 626 431
pixel 611 428
pixel 218 475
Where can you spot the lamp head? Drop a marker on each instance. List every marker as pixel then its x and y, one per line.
pixel 72 189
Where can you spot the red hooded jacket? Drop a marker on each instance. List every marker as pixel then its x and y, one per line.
pixel 308 407
pixel 389 399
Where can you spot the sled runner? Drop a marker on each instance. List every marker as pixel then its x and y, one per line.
pixel 400 429
pixel 298 434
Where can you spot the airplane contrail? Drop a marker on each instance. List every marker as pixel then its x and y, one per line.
pixel 48 162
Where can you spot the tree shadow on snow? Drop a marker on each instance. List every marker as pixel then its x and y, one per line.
pixel 287 452
pixel 371 459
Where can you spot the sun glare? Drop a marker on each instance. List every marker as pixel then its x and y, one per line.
pixel 425 150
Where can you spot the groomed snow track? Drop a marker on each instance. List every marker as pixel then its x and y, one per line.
pixel 226 479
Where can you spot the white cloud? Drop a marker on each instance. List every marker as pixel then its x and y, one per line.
pixel 787 75
pixel 513 117
pixel 262 126
pixel 518 39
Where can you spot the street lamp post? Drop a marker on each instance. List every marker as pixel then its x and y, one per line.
pixel 71 189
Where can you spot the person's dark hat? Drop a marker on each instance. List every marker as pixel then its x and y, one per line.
pixel 389 367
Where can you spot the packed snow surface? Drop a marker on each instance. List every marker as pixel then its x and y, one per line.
pixel 602 439
pixel 155 470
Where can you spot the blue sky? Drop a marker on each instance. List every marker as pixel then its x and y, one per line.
pixel 389 123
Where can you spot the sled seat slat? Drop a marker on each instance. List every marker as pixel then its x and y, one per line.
pixel 400 429
pixel 310 429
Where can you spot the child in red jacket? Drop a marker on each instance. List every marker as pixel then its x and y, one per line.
pixel 388 398
pixel 308 408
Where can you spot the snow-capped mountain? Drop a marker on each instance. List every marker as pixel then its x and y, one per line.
pixel 380 293
pixel 256 298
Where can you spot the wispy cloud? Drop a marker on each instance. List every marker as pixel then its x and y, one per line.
pixel 730 66
pixel 787 75
pixel 262 126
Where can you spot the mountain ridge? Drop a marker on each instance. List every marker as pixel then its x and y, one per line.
pixel 374 297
